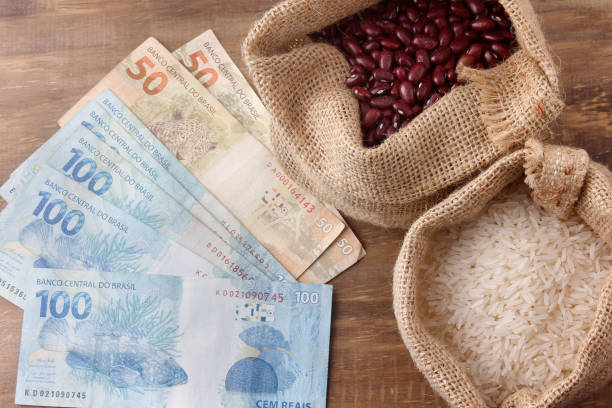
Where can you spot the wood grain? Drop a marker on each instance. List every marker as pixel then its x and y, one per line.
pixel 53 51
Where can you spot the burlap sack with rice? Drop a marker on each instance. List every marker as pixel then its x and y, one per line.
pixel 316 131
pixel 562 180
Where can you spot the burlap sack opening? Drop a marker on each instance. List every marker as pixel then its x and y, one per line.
pixel 316 131
pixel 594 361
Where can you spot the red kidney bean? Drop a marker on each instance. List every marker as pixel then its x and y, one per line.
pixel 472 35
pixel 423 41
pixel 375 54
pixel 431 30
pixel 387 27
pixel 369 46
pixel 365 61
pixel 371 117
pixel 500 49
pixel 370 28
pixel 403 59
pixel 416 109
pixel 403 35
pixel 356 80
pixel 443 89
pixel 417 72
pixel 363 107
pixel 422 56
pixel 476 6
pixel 451 75
pixel 440 55
pixel 390 43
pixel 396 120
pixel 382 75
pixel 436 12
pixel 483 24
pixel 379 89
pixel 412 14
pixel 357 69
pixel 400 73
pixel 446 36
pixel 476 50
pixel 382 101
pixel 424 89
pixel 407 92
pixel 459 9
pixel 402 108
pixel 391 12
pixel 493 36
pixel 441 23
pixel 458 29
pixel 385 59
pixel 419 26
pixel 395 89
pixel 432 99
pixel 439 75
pixel 352 46
pixel 458 44
pixel 451 63
pixel 466 60
pixel 490 59
pixel 410 49
pixel 362 94
pixel 387 113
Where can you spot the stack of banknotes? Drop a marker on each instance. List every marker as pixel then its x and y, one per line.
pixel 161 255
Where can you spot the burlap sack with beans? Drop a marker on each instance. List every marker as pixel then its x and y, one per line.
pixel 562 180
pixel 316 132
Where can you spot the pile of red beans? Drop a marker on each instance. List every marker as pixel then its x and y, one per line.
pixel 404 54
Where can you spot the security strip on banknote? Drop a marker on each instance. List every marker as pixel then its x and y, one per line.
pixel 293 225
pixel 115 340
pixel 207 60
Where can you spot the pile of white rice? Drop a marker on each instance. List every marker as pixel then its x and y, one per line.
pixel 513 292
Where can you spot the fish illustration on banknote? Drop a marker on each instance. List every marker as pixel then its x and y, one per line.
pixel 122 355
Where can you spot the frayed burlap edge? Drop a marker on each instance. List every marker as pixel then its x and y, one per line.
pixel 594 360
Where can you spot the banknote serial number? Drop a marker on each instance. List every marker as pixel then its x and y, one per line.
pixel 299 195
pixel 12 288
pixel 55 394
pixel 252 294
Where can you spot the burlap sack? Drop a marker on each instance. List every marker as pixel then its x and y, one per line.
pixel 560 178
pixel 316 132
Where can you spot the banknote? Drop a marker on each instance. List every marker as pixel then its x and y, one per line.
pixel 56 222
pixel 84 156
pixel 222 155
pixel 110 340
pixel 207 60
pixel 137 138
pixel 100 120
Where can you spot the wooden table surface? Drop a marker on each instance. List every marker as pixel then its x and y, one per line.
pixel 53 51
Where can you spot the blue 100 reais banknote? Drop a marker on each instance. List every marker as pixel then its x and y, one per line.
pixel 57 222
pixel 110 340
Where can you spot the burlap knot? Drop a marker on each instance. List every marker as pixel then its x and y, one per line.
pixel 556 175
